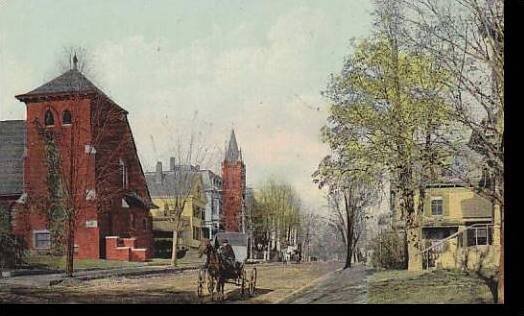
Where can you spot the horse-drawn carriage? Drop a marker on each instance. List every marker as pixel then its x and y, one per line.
pixel 218 270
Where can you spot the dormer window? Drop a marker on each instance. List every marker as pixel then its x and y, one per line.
pixel 49 118
pixel 66 118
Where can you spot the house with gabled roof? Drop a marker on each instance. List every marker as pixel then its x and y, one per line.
pixel 76 151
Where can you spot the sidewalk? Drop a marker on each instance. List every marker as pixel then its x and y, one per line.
pixel 45 280
pixel 339 287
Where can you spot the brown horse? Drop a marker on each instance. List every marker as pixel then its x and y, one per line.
pixel 215 269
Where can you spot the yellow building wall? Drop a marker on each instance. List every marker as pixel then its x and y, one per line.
pixel 454 213
pixel 187 213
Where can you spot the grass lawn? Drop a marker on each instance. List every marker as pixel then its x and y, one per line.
pixel 58 263
pixel 427 287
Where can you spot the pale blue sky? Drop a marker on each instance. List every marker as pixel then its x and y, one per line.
pixel 256 65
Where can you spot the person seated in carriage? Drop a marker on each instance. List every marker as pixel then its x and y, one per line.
pixel 228 256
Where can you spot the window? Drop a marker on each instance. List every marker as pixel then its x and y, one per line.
pixel 144 223
pixel 66 117
pixel 205 233
pixel 42 239
pixel 49 120
pixel 123 170
pixel 196 212
pixel 481 235
pixel 196 233
pixel 436 206
pixel 132 220
pixel 213 207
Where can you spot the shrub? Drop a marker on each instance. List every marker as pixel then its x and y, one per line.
pixel 12 251
pixel 388 250
pixel 12 248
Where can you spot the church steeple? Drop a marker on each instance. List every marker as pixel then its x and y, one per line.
pixel 232 153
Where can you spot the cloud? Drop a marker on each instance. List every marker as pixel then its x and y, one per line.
pixel 265 91
pixel 261 75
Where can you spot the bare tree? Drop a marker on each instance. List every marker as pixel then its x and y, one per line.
pixel 348 197
pixel 183 182
pixel 72 186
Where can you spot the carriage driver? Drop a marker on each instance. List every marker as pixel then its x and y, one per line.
pixel 228 255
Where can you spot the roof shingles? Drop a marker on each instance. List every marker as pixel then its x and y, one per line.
pixel 12 148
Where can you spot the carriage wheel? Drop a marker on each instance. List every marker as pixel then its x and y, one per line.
pixel 210 284
pixel 253 282
pixel 201 281
pixel 243 278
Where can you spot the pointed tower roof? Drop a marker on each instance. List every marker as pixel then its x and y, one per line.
pixel 70 81
pixel 232 153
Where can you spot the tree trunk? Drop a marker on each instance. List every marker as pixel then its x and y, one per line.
pixel 412 232
pixel 349 237
pixel 70 247
pixel 500 285
pixel 414 256
pixel 175 243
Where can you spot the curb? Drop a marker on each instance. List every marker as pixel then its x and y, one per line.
pixel 309 285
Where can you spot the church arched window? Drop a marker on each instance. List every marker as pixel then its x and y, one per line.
pixel 66 117
pixel 49 118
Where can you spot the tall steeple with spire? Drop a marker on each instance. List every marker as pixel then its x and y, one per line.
pixel 233 187
pixel 232 153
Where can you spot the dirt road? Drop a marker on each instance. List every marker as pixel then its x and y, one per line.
pixel 275 282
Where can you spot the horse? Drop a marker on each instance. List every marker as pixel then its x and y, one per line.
pixel 215 270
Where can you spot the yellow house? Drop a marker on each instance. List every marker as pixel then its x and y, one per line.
pixel 460 229
pixel 181 186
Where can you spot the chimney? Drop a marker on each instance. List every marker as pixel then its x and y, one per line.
pixel 172 163
pixel 158 175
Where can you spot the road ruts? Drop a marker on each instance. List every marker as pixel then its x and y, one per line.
pixel 348 286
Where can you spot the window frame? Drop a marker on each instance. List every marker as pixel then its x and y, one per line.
pixel 437 199
pixel 35 240
pixel 132 220
pixel 64 123
pixel 50 112
pixel 125 174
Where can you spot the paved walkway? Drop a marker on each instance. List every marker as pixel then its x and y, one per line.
pixel 44 280
pixel 347 286
pixel 47 279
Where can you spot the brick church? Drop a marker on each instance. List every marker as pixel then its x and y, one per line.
pixel 233 188
pixel 76 151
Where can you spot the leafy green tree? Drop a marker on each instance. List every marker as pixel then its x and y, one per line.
pixel 276 214
pixel 386 115
pixel 466 38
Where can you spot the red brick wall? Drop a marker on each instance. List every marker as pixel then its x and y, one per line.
pixel 70 141
pixel 114 252
pixel 116 143
pixel 233 186
pixel 102 124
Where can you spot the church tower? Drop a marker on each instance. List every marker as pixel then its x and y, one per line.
pixel 233 187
